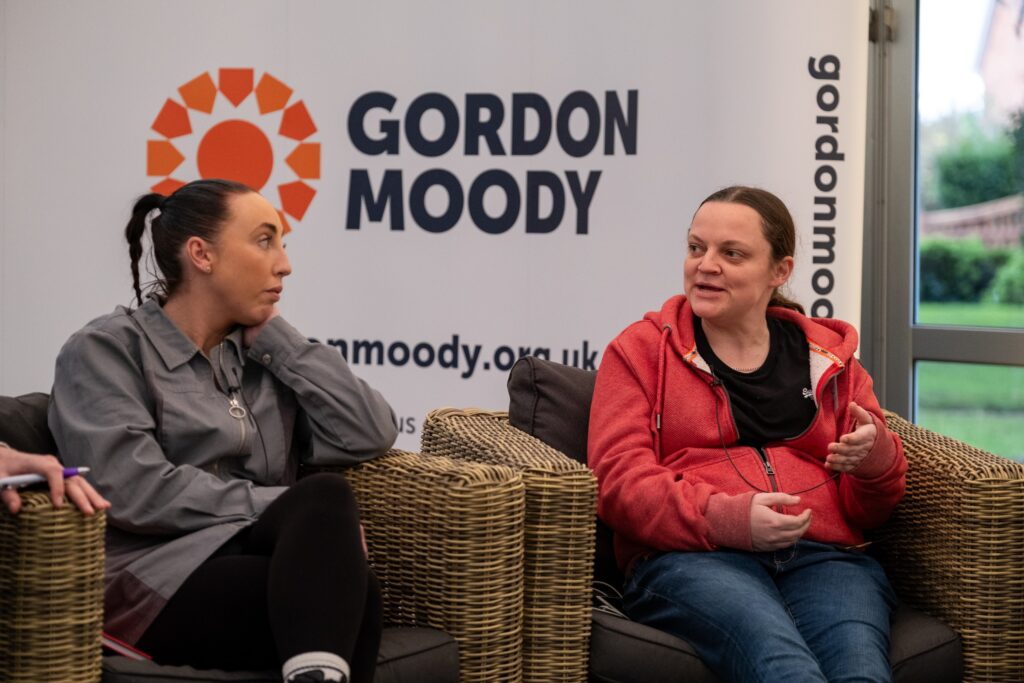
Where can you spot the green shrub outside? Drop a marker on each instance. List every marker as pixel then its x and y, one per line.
pixel 957 270
pixel 1016 133
pixel 976 170
pixel 1008 285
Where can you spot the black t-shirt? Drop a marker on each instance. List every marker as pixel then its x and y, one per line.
pixel 776 401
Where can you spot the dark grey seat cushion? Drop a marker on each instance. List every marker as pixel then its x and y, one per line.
pixel 923 648
pixel 407 655
pixel 622 651
pixel 552 402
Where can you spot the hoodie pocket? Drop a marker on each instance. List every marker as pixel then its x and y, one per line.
pixel 735 470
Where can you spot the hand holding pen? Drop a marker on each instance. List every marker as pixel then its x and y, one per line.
pixel 15 466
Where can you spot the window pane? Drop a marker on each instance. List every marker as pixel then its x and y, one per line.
pixel 971 163
pixel 982 405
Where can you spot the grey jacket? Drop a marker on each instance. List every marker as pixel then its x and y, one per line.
pixel 190 449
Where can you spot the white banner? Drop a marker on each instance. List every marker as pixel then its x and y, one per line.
pixel 465 181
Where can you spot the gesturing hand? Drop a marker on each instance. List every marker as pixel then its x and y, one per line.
pixel 771 530
pixel 854 446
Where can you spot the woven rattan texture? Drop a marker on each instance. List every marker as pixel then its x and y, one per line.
pixel 446 542
pixel 51 593
pixel 955 547
pixel 561 497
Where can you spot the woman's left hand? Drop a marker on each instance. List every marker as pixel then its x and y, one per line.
pixel 853 446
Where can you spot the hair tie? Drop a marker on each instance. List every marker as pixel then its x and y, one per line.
pixel 152 215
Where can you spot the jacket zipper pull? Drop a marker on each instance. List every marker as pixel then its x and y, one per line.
pixel 236 410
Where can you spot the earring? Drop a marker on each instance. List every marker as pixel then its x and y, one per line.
pixel 208 268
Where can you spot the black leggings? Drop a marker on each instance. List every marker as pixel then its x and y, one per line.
pixel 294 581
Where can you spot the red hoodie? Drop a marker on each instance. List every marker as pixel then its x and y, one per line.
pixel 655 443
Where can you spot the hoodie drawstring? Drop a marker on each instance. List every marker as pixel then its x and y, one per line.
pixel 659 392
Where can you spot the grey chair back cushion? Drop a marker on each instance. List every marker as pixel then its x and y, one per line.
pixel 23 423
pixel 552 402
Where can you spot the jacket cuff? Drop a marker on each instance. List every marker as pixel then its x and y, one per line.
pixel 728 520
pixel 881 456
pixel 276 343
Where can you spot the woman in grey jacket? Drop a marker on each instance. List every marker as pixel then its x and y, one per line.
pixel 193 411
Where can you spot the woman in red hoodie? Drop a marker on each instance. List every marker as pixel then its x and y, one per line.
pixel 740 452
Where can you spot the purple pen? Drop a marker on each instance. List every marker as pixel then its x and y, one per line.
pixel 21 480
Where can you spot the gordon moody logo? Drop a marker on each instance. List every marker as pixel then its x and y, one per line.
pixel 237 127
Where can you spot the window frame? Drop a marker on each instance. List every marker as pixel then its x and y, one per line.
pixel 892 342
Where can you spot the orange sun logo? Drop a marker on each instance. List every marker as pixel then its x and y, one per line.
pixel 237 143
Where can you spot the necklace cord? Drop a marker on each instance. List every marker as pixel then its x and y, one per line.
pixel 721 437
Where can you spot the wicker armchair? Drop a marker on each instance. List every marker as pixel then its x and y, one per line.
pixel 954 548
pixel 51 592
pixel 446 542
pixel 561 501
pixel 445 538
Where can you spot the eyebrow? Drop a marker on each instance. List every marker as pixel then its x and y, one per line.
pixel 273 228
pixel 727 244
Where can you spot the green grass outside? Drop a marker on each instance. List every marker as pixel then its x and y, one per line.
pixel 982 405
pixel 999 433
pixel 967 386
pixel 981 314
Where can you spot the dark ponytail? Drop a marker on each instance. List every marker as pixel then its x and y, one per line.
pixel 197 209
pixel 776 225
pixel 133 233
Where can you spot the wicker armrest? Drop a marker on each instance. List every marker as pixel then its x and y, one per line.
pixel 446 542
pixel 51 593
pixel 955 546
pixel 561 499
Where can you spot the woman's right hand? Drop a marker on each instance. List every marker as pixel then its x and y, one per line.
pixel 81 493
pixel 249 334
pixel 771 530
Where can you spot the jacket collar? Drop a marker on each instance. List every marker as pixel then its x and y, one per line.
pixel 173 346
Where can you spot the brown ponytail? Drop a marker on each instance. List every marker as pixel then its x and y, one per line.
pixel 782 301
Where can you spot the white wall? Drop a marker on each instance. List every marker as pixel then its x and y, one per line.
pixel 724 96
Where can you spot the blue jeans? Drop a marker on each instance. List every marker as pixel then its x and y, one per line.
pixel 807 613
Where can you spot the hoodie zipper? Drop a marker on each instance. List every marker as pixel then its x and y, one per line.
pixel 769 470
